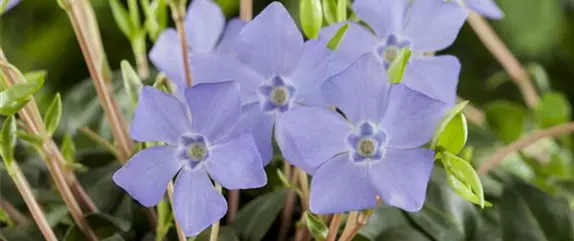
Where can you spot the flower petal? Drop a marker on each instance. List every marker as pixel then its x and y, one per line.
pixel 309 136
pixel 487 8
pixel 410 117
pixel 159 117
pixel 385 17
pixel 196 202
pixel 217 67
pixel 433 25
pixel 357 41
pixel 9 5
pixel 317 64
pixel 360 90
pixel 340 186
pixel 166 56
pixel 147 173
pixel 215 108
pixel 237 164
pixel 204 24
pixel 401 178
pixel 271 43
pixel 232 29
pixel 260 124
pixel 436 77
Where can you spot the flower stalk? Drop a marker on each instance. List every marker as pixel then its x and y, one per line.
pixel 180 234
pixel 178 14
pixel 214 235
pixel 334 227
pixel 246 10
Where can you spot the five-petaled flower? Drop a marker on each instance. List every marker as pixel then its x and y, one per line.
pixel 420 25
pixel 276 69
pixel 375 151
pixel 198 150
pixel 206 32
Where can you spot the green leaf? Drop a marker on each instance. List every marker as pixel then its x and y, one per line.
pixel 444 124
pixel 341 10
pixel 465 191
pixel 399 65
pixel 402 233
pixel 225 234
pixel 122 18
pixel 453 137
pixel 68 148
pixel 506 119
pixel 4 218
pixel 284 179
pixel 103 226
pixel 34 140
pixel 383 218
pixel 254 220
pixel 15 97
pixel 526 213
pixel 165 218
pixel 553 109
pixel 330 11
pixel 134 13
pixel 465 173
pixel 540 76
pixel 132 82
pixel 8 141
pixel 115 237
pixel 336 40
pixel 316 226
pixel 311 17
pixel 53 115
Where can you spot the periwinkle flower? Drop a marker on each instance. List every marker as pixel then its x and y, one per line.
pixel 487 8
pixel 375 151
pixel 196 151
pixel 276 69
pixel 206 31
pixel 420 25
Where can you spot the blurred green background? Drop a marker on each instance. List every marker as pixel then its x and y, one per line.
pixel 38 35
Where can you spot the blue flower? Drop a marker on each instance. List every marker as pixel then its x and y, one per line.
pixel 487 8
pixel 375 151
pixel 195 151
pixel 423 26
pixel 206 32
pixel 276 69
pixel 9 5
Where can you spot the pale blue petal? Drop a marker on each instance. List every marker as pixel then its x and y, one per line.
pixel 385 17
pixel 436 77
pixel 237 164
pixel 317 64
pixel 410 117
pixel 309 136
pixel 204 24
pixel 11 4
pixel 487 8
pixel 260 124
pixel 357 41
pixel 166 56
pixel 360 90
pixel 147 173
pixel 340 185
pixel 401 178
pixel 215 108
pixel 271 44
pixel 433 25
pixel 217 67
pixel 196 202
pixel 159 117
pixel 232 29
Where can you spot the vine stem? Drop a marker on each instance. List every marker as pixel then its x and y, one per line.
pixel 494 44
pixel 334 227
pixel 178 15
pixel 499 155
pixel 180 234
pixel 287 214
pixel 246 10
pixel 12 212
pixel 357 221
pixel 214 235
pixel 24 188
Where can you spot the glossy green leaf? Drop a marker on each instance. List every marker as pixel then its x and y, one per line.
pixel 132 82
pixel 540 76
pixel 34 140
pixel 254 219
pixel 506 119
pixel 446 120
pixel 68 148
pixel 341 10
pixel 15 97
pixel 336 40
pixel 383 218
pixel 465 191
pixel 122 19
pixel 53 115
pixel 330 11
pixel 403 233
pixel 311 17
pixel 115 237
pixel 164 222
pixel 465 173
pixel 316 226
pixel 553 109
pixel 454 135
pixel 399 65
pixel 8 141
pixel 529 214
pixel 284 179
pixel 104 226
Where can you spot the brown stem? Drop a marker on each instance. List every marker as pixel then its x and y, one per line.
pixel 180 234
pixel 24 188
pixel 334 227
pixel 246 10
pixel 499 155
pixel 287 214
pixel 233 200
pixel 13 212
pixel 494 44
pixel 355 226
pixel 178 15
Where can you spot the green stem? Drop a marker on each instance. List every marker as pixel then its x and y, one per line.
pixel 214 235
